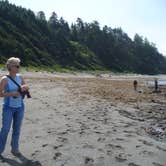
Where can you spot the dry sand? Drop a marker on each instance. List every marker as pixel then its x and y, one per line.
pixel 84 120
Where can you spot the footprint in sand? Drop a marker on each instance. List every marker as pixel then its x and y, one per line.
pixel 101 139
pixel 56 155
pixel 51 131
pixel 160 148
pixel 121 157
pixel 68 125
pixel 62 139
pixel 44 145
pixel 109 152
pixel 98 132
pixel 138 146
pixel 38 136
pixel 145 142
pixel 62 133
pixel 129 131
pixel 145 152
pixel 57 146
pixel 114 147
pixel 88 160
pixel 82 132
pixel 157 164
pixel 100 161
pixel 101 150
pixel 120 139
pixel 133 164
pixel 65 114
pixel 128 124
pixel 88 146
pixel 35 153
pixel 130 135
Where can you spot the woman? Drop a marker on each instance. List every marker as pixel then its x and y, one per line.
pixel 13 105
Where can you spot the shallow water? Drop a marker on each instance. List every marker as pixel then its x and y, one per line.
pixel 160 82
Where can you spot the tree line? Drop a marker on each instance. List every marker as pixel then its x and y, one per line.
pixel 81 45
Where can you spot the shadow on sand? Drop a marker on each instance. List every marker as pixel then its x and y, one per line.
pixel 23 161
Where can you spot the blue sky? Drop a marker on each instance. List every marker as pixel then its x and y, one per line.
pixel 145 17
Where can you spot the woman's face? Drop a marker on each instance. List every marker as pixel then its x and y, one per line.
pixel 15 67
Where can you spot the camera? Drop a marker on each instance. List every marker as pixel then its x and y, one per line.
pixel 24 93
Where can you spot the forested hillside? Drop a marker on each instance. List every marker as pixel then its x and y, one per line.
pixel 83 46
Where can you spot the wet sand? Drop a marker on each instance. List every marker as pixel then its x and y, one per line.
pixel 87 120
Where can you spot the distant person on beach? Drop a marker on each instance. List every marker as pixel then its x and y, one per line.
pixel 156 84
pixel 13 105
pixel 135 84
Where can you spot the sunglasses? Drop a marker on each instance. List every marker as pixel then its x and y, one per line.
pixel 17 66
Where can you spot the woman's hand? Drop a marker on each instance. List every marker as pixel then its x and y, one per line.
pixel 24 88
pixel 15 94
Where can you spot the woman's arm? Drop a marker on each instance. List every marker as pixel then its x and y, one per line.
pixel 24 87
pixel 23 81
pixel 3 83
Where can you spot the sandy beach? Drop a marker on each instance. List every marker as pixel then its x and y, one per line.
pixel 88 120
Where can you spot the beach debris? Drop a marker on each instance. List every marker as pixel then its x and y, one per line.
pixel 156 131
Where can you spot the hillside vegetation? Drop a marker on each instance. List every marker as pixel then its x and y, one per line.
pixel 83 46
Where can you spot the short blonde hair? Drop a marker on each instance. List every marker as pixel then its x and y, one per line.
pixel 12 61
